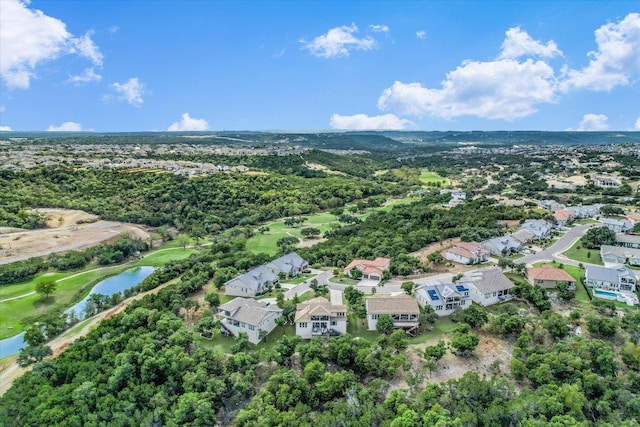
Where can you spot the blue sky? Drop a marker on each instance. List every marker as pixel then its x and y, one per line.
pixel 286 65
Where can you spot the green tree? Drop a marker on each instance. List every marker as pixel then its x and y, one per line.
pixel 385 324
pixel 310 232
pixel 408 287
pixel 183 240
pixel 598 236
pixel 355 273
pixel 475 315
pixel 30 354
pixel 213 299
pixel 46 286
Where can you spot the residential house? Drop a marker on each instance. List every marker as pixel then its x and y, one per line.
pixel 550 205
pixel 549 276
pixel 605 181
pixel 619 255
pixel 618 278
pixel 402 308
pixel 445 298
pixel 467 253
pixel 250 316
pixel 252 283
pixel 488 286
pixel 290 265
pixel 586 211
pixel 540 228
pixel 371 270
pixel 523 235
pixel 503 245
pixel 318 317
pixel 618 225
pixel 458 197
pixel 563 217
pixel 628 240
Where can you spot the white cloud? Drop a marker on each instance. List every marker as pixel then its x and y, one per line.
pixel 614 62
pixel 114 29
pixel 504 89
pixel 338 42
pixel 637 124
pixel 189 123
pixel 5 129
pixel 592 122
pixel 519 43
pixel 421 34
pixel 377 28
pixel 364 122
pixel 89 75
pixel 130 91
pixel 66 127
pixel 28 37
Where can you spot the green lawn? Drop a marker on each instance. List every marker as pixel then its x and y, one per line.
pixel 578 253
pixel 162 257
pixel 299 279
pixel 343 281
pixel 358 328
pixel 441 328
pixel 586 221
pixel 427 177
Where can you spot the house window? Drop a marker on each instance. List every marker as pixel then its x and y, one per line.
pixel 303 325
pixel 334 323
pixel 374 316
pixel 252 328
pixel 439 307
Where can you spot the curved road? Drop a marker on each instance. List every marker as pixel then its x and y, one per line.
pixel 553 252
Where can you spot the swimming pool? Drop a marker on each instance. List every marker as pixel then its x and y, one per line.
pixel 607 294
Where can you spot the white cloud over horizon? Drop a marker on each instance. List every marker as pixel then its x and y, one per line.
pixel 28 38
pixel 188 123
pixel 592 123
pixel 338 42
pixel 66 127
pixel 637 124
pixel 130 91
pixel 615 62
pixel 5 128
pixel 505 88
pixel 365 122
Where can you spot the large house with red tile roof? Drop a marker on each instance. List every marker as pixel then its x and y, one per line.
pixel 563 216
pixel 467 253
pixel 549 276
pixel 371 270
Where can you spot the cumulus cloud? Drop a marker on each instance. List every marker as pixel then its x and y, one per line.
pixel 421 34
pixel 616 60
pixel 364 122
pixel 592 122
pixel 378 28
pixel 28 37
pixel 5 129
pixel 637 124
pixel 505 89
pixel 519 43
pixel 188 123
pixel 89 75
pixel 130 91
pixel 66 127
pixel 338 42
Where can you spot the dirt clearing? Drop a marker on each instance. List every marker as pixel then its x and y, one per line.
pixel 69 230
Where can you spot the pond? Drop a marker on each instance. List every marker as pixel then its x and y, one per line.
pixel 107 287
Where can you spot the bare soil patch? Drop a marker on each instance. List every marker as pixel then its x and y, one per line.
pixel 455 268
pixel 490 351
pixel 69 230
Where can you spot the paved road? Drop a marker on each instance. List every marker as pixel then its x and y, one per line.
pixel 553 252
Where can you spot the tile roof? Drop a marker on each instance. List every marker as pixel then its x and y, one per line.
pixel 381 263
pixel 468 250
pixel 563 214
pixel 249 311
pixel 386 304
pixel 549 272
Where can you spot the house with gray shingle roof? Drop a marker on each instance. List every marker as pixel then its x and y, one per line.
pixel 250 316
pixel 290 265
pixel 445 298
pixel 488 286
pixel 619 255
pixel 252 283
pixel 618 225
pixel 502 245
pixel 628 240
pixel 586 211
pixel 618 278
pixel 540 228
pixel 402 308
